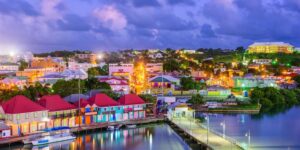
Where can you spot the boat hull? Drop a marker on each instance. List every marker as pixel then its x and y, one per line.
pixel 53 140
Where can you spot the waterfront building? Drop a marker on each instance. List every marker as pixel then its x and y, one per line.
pixel 85 112
pixel 5 130
pixel 117 84
pixel 108 110
pixel 8 67
pixel 270 47
pixel 134 107
pixel 60 112
pixel 215 91
pixel 23 115
pixel 181 110
pixel 251 82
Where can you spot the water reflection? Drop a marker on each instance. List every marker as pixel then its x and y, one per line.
pixel 150 137
pixel 268 131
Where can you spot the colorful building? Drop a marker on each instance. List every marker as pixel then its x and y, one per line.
pixel 163 82
pixel 251 82
pixel 23 115
pixel 120 70
pixel 134 107
pixel 108 110
pixel 215 91
pixel 60 112
pixel 86 112
pixel 117 84
pixel 270 47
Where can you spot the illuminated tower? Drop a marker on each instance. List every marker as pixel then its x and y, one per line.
pixel 139 79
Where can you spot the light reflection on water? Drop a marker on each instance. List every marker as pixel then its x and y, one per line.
pixel 280 131
pixel 150 137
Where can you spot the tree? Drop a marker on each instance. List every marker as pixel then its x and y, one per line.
pixel 289 97
pixel 112 94
pixel 187 83
pixel 171 65
pixel 297 79
pixel 256 95
pixel 240 49
pixel 196 99
pixel 66 88
pixel 93 83
pixel 148 98
pixel 266 103
pixel 98 71
pixel 23 65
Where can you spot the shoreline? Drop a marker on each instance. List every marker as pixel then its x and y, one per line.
pixel 6 142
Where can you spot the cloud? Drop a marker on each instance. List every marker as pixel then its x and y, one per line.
pixel 110 17
pixel 145 3
pixel 186 2
pixel 207 31
pixel 21 7
pixel 72 22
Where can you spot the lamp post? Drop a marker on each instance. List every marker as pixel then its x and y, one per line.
pixel 249 138
pixel 224 128
pixel 207 119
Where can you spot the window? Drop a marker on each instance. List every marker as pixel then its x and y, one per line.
pixel 26 116
pixel 18 116
pixel 35 114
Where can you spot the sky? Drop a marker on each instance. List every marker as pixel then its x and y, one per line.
pixel 48 25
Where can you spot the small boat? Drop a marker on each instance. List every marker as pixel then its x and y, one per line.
pixel 131 126
pixel 33 137
pixel 56 134
pixel 119 126
pixel 53 139
pixel 111 128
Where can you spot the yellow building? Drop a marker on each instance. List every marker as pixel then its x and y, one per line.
pixel 270 47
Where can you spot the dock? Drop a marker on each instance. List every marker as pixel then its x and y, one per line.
pixel 83 128
pixel 209 139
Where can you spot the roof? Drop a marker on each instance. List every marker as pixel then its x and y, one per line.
pixel 83 103
pixel 102 100
pixel 55 103
pixel 164 78
pixel 16 105
pixel 270 43
pixel 129 99
pixel 73 98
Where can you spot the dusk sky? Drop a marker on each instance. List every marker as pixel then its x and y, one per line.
pixel 47 25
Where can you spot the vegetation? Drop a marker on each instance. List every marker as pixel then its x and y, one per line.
pixel 270 97
pixel 98 71
pixel 66 88
pixel 23 65
pixel 148 98
pixel 93 83
pixel 196 100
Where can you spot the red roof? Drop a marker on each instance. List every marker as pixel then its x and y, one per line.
pixel 83 103
pixel 21 104
pixel 55 103
pixel 102 100
pixel 130 99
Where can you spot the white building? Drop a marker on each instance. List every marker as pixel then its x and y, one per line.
pixel 84 66
pixel 8 67
pixel 121 70
pixel 51 78
pixel 262 61
pixel 117 84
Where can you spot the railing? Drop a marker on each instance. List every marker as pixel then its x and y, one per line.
pixel 232 140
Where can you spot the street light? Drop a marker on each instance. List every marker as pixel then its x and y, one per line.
pixel 207 119
pixel 224 128
pixel 249 138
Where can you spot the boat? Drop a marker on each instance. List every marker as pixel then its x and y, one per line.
pixel 111 128
pixel 119 126
pixel 33 137
pixel 131 126
pixel 57 134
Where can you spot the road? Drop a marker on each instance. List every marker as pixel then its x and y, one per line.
pixel 215 141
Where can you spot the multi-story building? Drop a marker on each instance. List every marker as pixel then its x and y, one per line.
pixel 8 67
pixel 134 107
pixel 252 82
pixel 121 70
pixel 154 69
pixel 270 47
pixel 12 82
pixel 88 57
pixel 108 110
pixel 23 115
pixel 117 84
pixel 60 112
pixel 45 62
pixel 83 66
